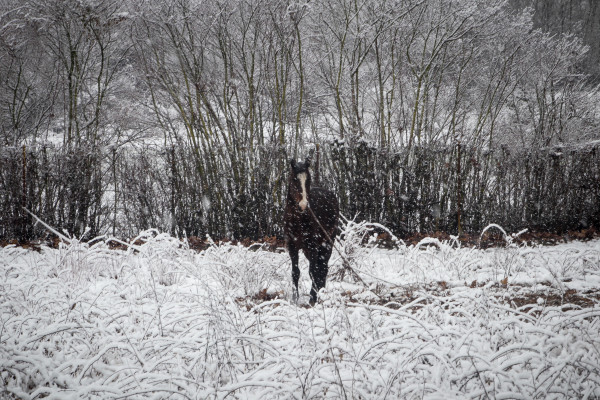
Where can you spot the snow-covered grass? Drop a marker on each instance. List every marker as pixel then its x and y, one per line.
pixel 432 321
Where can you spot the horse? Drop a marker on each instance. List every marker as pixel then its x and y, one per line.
pixel 310 224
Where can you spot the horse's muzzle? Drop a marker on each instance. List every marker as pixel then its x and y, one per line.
pixel 303 205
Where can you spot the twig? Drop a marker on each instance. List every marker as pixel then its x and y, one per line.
pixel 60 235
pixel 157 304
pixel 345 263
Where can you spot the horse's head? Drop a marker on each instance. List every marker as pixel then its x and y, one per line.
pixel 299 182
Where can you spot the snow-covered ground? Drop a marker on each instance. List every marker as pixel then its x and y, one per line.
pixel 433 321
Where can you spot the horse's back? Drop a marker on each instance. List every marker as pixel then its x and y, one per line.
pixel 326 208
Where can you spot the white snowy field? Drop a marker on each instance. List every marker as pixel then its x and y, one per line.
pixel 429 322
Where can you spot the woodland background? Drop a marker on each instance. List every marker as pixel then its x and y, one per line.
pixel 182 115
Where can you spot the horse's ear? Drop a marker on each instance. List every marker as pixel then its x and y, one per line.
pixel 309 158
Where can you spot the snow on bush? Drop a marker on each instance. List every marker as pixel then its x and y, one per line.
pixel 434 320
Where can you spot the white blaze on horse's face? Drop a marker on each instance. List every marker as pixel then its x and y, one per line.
pixel 304 202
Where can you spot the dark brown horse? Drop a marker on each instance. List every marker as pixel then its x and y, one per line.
pixel 311 216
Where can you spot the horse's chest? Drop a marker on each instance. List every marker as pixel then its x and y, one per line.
pixel 301 229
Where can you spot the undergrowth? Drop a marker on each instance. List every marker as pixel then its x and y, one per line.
pixel 431 320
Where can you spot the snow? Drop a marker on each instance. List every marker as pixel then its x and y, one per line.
pixel 433 321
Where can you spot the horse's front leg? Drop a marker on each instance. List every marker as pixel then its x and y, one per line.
pixel 293 250
pixel 315 271
pixel 318 270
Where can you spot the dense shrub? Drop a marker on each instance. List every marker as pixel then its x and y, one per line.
pixel 424 190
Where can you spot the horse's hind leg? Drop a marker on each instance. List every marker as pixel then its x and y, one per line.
pixel 295 270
